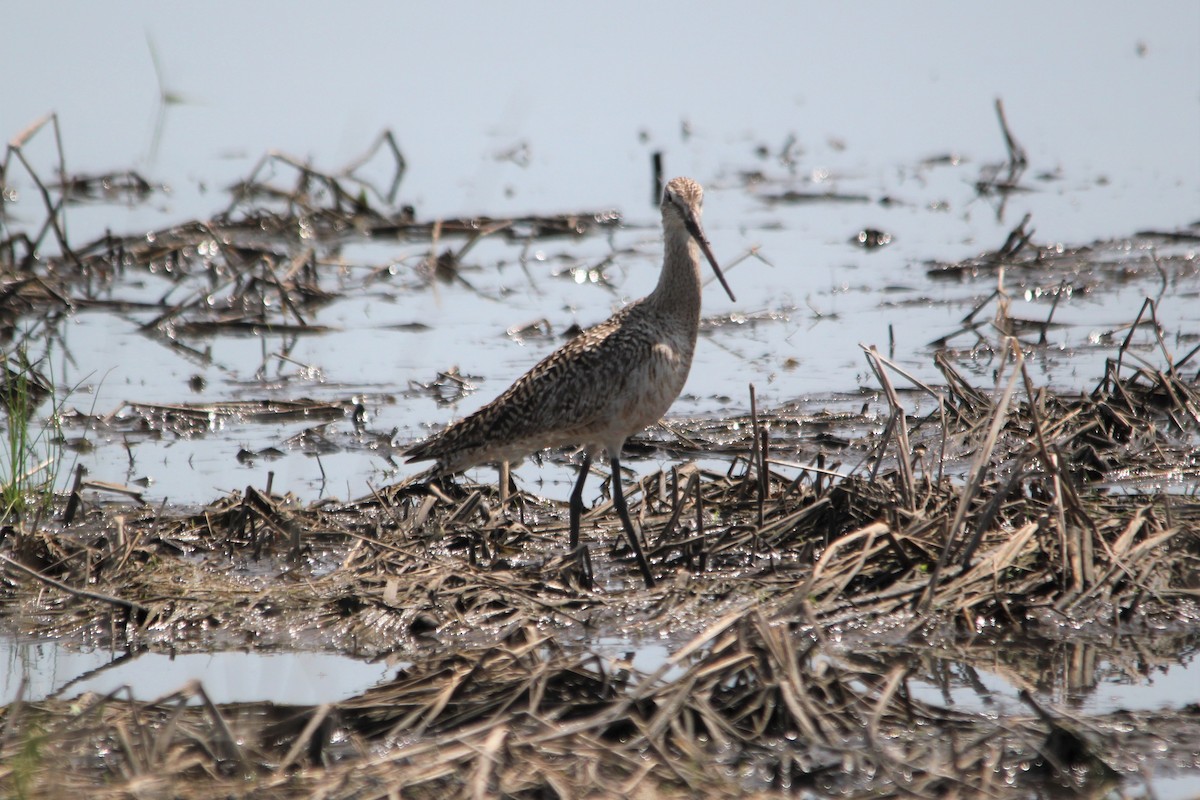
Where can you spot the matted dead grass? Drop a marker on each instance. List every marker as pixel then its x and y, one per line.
pixel 806 587
pixel 772 585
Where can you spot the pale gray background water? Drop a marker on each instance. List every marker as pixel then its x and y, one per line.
pixel 1105 97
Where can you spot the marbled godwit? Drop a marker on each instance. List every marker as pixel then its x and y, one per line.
pixel 606 384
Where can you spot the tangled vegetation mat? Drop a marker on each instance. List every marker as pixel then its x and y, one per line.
pixel 834 562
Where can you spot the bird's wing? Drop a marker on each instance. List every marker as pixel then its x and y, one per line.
pixel 558 401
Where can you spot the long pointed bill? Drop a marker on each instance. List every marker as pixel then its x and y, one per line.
pixel 693 227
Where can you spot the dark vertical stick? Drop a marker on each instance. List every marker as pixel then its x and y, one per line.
pixel 764 449
pixel 756 461
pixel 294 534
pixel 674 490
pixel 677 506
pixel 73 502
pixel 1062 286
pixel 1016 153
pixel 656 166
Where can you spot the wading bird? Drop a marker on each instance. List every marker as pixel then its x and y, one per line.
pixel 606 384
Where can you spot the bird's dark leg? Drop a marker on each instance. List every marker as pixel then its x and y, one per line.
pixel 623 512
pixel 580 552
pixel 505 479
pixel 577 498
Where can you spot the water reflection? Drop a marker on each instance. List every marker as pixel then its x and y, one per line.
pixel 35 670
pixel 1134 673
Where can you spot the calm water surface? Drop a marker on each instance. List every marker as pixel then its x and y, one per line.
pixel 541 112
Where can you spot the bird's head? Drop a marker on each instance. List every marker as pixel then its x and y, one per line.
pixel 682 204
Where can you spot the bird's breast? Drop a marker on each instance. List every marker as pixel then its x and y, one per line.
pixel 650 386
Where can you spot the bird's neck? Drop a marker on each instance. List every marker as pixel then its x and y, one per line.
pixel 678 290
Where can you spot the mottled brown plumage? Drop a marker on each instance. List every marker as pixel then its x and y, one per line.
pixel 604 385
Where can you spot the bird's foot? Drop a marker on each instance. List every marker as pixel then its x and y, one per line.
pixel 577 567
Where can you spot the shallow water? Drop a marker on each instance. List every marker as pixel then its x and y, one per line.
pixel 525 113
pixel 1109 687
pixel 39 669
pixel 860 115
